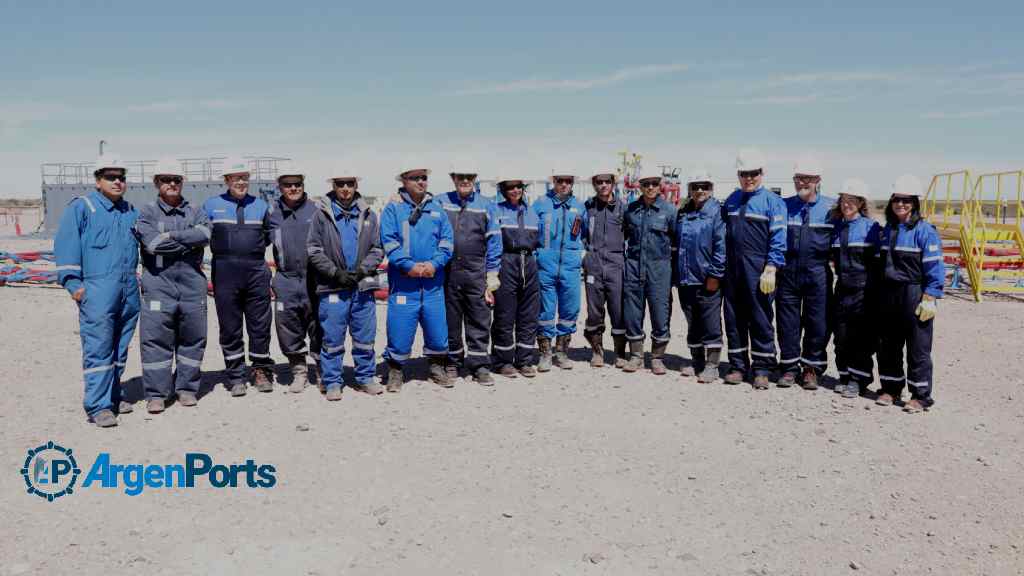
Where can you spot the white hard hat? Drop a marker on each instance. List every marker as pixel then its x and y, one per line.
pixel 699 175
pixel 290 169
pixel 808 165
pixel 463 164
pixel 234 165
pixel 749 159
pixel 908 185
pixel 572 175
pixel 343 177
pixel 168 167
pixel 854 187
pixel 613 175
pixel 109 161
pixel 398 178
pixel 503 179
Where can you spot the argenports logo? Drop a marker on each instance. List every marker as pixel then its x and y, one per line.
pixel 51 471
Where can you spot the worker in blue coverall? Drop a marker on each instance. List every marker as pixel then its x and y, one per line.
pixel 471 277
pixel 605 245
pixel 700 266
pixel 295 306
pixel 241 279
pixel 96 255
pixel 650 236
pixel 804 293
pixel 344 250
pixel 855 240
pixel 912 279
pixel 517 301
pixel 562 229
pixel 418 241
pixel 755 242
pixel 172 233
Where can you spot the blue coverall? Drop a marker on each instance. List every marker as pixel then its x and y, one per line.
pixel 700 234
pixel 241 280
pixel 172 327
pixel 755 226
pixel 910 265
pixel 96 250
pixel 804 293
pixel 650 234
pixel 347 239
pixel 562 228
pixel 603 266
pixel 295 306
pixel 477 252
pixel 854 255
pixel 517 301
pixel 412 233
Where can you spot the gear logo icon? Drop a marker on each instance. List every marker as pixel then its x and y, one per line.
pixel 50 471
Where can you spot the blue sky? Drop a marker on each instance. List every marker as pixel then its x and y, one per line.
pixel 518 89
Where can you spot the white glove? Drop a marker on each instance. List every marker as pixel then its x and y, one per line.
pixel 493 283
pixel 926 309
pixel 768 280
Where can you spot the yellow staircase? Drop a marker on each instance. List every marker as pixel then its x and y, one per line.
pixel 991 245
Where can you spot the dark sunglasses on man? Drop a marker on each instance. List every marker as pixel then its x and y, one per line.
pixel 420 178
pixel 292 184
pixel 749 173
pixel 114 177
pixel 563 180
pixel 700 187
pixel 602 182
pixel 176 180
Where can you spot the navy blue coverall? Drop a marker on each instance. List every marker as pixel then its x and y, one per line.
pixel 172 328
pixel 650 233
pixel 854 255
pixel 477 252
pixel 295 307
pixel 700 235
pixel 911 266
pixel 603 266
pixel 804 292
pixel 241 280
pixel 755 226
pixel 517 300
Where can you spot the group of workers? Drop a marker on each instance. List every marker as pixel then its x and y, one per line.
pixel 495 285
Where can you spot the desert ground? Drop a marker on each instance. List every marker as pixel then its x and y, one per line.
pixel 588 471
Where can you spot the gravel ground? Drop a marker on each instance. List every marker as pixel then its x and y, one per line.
pixel 576 472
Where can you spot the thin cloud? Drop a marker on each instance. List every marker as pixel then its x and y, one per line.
pixel 785 100
pixel 167 106
pixel 972 114
pixel 572 84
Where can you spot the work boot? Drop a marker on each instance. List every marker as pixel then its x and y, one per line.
pixel 734 377
pixel 544 345
pixel 850 391
pixel 395 378
pixel 761 382
pixel 155 405
pixel 483 377
pixel 885 399
pixel 914 405
pixel 104 419
pixel 452 371
pixel 125 407
pixel 620 350
pixel 186 398
pixel 439 374
pixel 597 350
pixel 696 362
pixel 710 372
pixel 657 351
pixel 562 352
pixel 841 387
pixel 261 380
pixel 809 380
pixel 334 393
pixel 372 387
pixel 636 356
pixel 238 388
pixel 788 379
pixel 528 371
pixel 300 376
pixel 508 371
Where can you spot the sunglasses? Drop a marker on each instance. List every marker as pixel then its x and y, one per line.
pixel 169 180
pixel 465 177
pixel 902 200
pixel 345 183
pixel 513 187
pixel 298 184
pixel 700 187
pixel 110 177
pixel 563 180
pixel 602 182
pixel 749 173
pixel 650 185
pixel 420 178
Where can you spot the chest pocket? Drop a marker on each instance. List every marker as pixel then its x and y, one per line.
pixel 99 229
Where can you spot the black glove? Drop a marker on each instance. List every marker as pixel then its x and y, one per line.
pixel 346 279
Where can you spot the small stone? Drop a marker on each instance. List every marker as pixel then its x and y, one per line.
pixel 691 477
pixel 593 557
pixel 302 428
pixel 686 557
pixel 929 533
pixel 854 565
pixel 382 520
pixel 506 514
pixel 381 511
